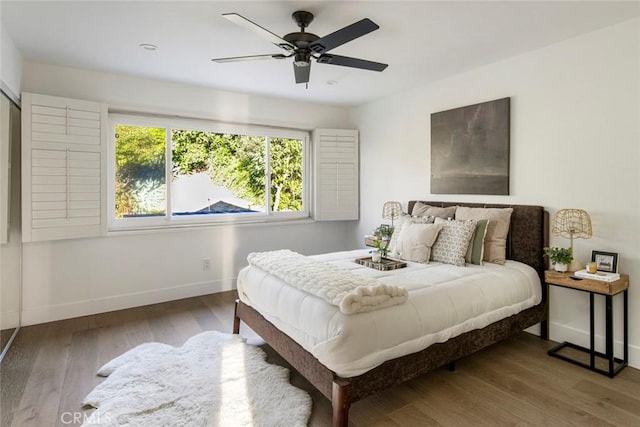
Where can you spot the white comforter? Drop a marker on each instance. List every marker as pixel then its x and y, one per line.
pixel 444 301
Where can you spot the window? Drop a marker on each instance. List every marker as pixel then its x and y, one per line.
pixel 170 172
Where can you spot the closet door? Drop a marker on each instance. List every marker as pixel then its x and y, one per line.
pixel 64 168
pixel 336 195
pixel 11 244
pixel 5 166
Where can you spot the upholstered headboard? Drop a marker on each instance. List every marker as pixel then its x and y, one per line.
pixel 528 231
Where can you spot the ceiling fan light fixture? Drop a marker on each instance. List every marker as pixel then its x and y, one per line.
pixel 302 59
pixel 302 46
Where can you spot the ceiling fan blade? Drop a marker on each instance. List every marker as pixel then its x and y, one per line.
pixel 344 35
pixel 262 32
pixel 302 72
pixel 347 61
pixel 250 58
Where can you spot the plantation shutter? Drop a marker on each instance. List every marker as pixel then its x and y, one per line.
pixel 63 168
pixel 336 174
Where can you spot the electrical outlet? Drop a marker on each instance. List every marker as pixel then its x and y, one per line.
pixel 206 264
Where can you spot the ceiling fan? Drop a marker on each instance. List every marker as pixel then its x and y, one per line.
pixel 303 46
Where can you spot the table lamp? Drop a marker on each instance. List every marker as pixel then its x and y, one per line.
pixel 572 223
pixel 391 210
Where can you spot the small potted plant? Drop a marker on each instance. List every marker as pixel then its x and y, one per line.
pixel 382 248
pixel 383 232
pixel 560 257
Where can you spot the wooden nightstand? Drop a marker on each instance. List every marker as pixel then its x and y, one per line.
pixel 371 241
pixel 608 289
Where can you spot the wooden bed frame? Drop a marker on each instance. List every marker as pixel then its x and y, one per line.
pixel 528 234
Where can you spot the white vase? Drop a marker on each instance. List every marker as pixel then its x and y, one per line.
pixel 376 256
pixel 560 267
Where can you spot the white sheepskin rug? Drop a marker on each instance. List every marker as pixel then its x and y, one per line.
pixel 214 379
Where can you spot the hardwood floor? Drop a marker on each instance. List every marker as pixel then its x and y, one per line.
pixel 51 367
pixel 5 336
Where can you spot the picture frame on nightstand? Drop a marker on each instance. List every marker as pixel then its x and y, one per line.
pixel 605 261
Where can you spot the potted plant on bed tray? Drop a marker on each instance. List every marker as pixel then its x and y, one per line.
pixel 560 257
pixel 382 248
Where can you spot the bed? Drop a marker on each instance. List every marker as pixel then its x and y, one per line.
pixel 344 383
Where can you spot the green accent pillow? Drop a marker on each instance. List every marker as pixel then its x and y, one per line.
pixel 476 245
pixel 495 242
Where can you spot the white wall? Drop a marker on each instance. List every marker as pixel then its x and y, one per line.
pixel 10 64
pixel 63 279
pixel 126 93
pixel 575 143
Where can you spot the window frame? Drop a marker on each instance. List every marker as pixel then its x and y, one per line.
pixel 174 221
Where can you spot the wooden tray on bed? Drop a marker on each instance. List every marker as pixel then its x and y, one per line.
pixel 384 264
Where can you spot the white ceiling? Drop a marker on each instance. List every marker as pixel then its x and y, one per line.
pixel 422 41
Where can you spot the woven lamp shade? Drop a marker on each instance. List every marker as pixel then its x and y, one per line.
pixel 572 223
pixel 391 210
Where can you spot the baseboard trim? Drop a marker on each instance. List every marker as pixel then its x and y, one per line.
pixel 560 333
pixel 51 313
pixel 9 319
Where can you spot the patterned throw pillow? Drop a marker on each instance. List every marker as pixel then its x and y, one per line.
pixel 453 240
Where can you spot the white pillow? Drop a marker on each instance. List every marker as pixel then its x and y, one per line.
pixel 453 241
pixel 415 241
pixel 397 229
pixel 405 219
